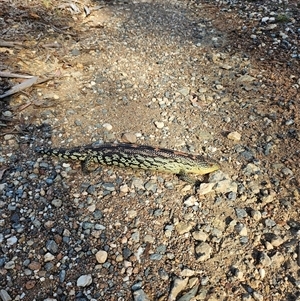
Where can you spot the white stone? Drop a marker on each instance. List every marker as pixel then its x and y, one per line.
pixel 206 188
pixel 48 257
pixel 84 280
pixel 187 273
pixel 190 201
pixel 11 240
pixel 107 126
pixel 159 124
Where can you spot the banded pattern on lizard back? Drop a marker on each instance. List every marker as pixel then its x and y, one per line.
pixel 138 156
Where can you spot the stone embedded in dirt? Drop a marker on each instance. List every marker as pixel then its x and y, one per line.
pixel 226 186
pixel 101 256
pixel 149 238
pixel 84 280
pixel 34 265
pixel 124 188
pixel 245 78
pixel 200 235
pixel 184 91
pixel 241 229
pixel 205 188
pixel 235 136
pixel 277 241
pixel 129 137
pixel 4 295
pixel 52 246
pixel 107 126
pixel 140 295
pixel 203 251
pixel 187 273
pixel 190 294
pixel 159 124
pixel 48 257
pixel 265 260
pixel 178 286
pixel 257 296
pixel 190 201
pixel 132 214
pixel 11 240
pixel 183 227
pixel 56 203
pixel 30 284
pixel 241 213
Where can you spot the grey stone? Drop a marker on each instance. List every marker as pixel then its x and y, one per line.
pixel 178 286
pixel 109 186
pixel 151 186
pixel 241 213
pixel 190 294
pixel 264 259
pixel 270 223
pixel 139 295
pixel 155 256
pixel 84 280
pixel 136 286
pixel 62 276
pixel 52 246
pixel 163 274
pixel 203 251
pixel 4 295
pixel 56 203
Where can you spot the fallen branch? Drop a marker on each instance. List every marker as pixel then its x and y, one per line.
pixel 17 88
pixel 8 74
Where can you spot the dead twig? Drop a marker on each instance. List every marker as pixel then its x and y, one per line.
pixel 10 44
pixel 19 87
pixel 15 75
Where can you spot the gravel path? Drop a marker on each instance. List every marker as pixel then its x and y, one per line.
pixel 219 78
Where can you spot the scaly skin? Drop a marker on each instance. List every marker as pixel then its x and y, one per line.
pixel 138 156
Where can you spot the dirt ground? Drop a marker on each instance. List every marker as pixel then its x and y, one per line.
pixel 209 77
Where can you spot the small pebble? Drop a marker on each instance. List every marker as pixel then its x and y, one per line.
pixel 257 296
pixel 48 257
pixel 206 188
pixel 107 126
pixel 200 235
pixel 11 240
pixel 84 280
pixel 34 265
pixel 203 251
pixel 235 136
pixel 140 295
pixel 183 227
pixel 101 256
pixel 129 138
pixel 277 241
pixel 159 124
pixel 187 273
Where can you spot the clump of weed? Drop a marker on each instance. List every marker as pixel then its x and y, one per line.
pixel 282 18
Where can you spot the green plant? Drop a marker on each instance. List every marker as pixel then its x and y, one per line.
pixel 282 18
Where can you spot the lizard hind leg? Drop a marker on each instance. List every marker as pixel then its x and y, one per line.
pixel 86 165
pixel 186 178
